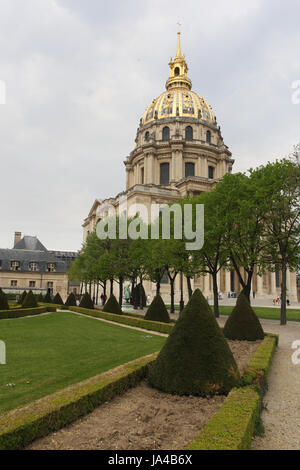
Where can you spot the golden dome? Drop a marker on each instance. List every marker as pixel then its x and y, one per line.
pixel 178 99
pixel 178 102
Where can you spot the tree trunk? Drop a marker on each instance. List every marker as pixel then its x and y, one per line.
pixel 97 293
pixel 111 287
pixel 104 288
pixel 189 286
pixel 158 288
pixel 172 295
pixel 283 295
pixel 120 291
pixel 216 295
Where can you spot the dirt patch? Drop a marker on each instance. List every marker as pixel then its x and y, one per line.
pixel 144 418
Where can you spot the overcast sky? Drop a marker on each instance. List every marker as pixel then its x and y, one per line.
pixel 80 73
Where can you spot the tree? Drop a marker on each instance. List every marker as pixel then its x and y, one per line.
pixel 196 359
pixel 29 301
pixel 278 192
pixel 71 300
pixel 243 324
pixel 86 301
pixel 3 301
pixel 112 306
pixel 58 300
pixel 22 297
pixel 157 311
pixel 242 216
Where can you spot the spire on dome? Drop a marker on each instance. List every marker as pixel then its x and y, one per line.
pixel 178 68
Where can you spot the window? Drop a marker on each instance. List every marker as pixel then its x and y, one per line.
pixel 15 265
pixel 208 137
pixel 51 267
pixel 211 172
pixel 33 266
pixel 0 263
pixel 50 287
pixel 277 277
pixel 232 283
pixel 13 283
pixel 147 136
pixel 189 169
pixel 164 173
pixel 142 175
pixel 166 133
pixel 189 133
pixel 32 284
pixel 177 71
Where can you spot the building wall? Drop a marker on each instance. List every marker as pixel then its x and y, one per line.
pixel 60 282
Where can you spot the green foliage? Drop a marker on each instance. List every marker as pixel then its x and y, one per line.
pixel 157 311
pixel 71 300
pixel 58 300
pixel 47 298
pixel 3 301
pixel 20 427
pixel 232 427
pixel 196 359
pixel 243 324
pixel 30 301
pixel 86 301
pixel 259 365
pixel 112 306
pixel 40 298
pixel 22 297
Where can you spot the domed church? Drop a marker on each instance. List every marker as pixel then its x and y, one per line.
pixel 179 151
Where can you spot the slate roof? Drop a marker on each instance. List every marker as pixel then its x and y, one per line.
pixel 29 249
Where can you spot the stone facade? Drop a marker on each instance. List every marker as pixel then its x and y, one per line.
pixel 179 151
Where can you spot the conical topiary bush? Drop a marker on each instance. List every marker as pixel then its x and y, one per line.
pixel 22 297
pixel 3 301
pixel 86 301
pixel 71 300
pixel 243 323
pixel 40 298
pixel 196 359
pixel 29 301
pixel 157 311
pixel 58 300
pixel 48 298
pixel 112 306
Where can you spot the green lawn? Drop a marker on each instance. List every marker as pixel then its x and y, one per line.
pixel 50 352
pixel 272 313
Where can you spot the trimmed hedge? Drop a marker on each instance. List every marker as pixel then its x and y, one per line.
pixel 86 301
pixel 126 320
pixel 21 426
pixel 232 427
pixel 24 312
pixel 157 311
pixel 58 300
pixel 112 306
pixel 243 323
pixel 29 301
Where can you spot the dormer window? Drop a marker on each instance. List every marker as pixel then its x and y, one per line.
pixel 51 267
pixel 15 265
pixel 147 136
pixel 33 266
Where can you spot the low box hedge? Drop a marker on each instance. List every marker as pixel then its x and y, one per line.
pixel 232 427
pixel 18 313
pixel 21 426
pixel 126 320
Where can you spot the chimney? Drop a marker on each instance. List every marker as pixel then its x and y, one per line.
pixel 18 236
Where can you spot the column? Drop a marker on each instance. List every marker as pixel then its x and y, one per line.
pixel 273 290
pixel 173 166
pixel 259 284
pixel 227 282
pixel 179 164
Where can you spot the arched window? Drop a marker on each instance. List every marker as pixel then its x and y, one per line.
pixel 164 173
pixel 176 71
pixel 189 169
pixel 166 133
pixel 208 137
pixel 142 175
pixel 189 133
pixel 147 135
